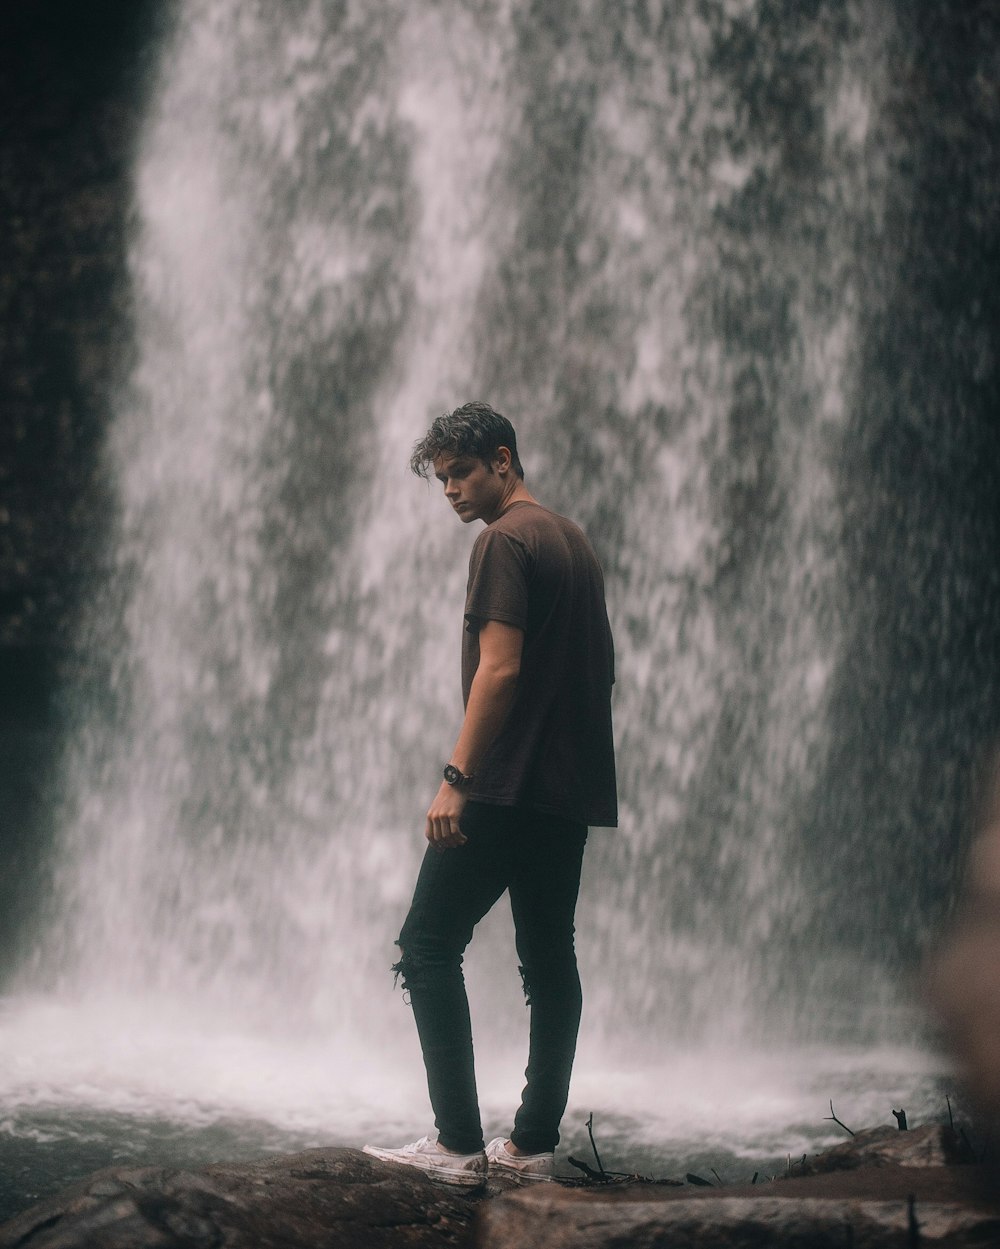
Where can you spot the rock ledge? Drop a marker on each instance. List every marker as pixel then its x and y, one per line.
pixel 880 1191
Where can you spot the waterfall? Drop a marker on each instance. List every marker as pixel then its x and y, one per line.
pixel 333 212
pixel 648 244
pixel 306 265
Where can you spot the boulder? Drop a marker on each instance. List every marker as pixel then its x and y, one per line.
pixel 554 1218
pixel 342 1199
pixel 883 1189
pixel 932 1145
pixel 338 1198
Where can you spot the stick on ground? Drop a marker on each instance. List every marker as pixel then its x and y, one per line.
pixel 593 1145
pixel 832 1116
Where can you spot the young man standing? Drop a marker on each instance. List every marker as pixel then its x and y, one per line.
pixel 532 768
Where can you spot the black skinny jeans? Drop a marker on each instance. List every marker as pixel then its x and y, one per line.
pixel 538 859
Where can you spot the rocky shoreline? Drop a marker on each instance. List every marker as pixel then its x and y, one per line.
pixel 881 1189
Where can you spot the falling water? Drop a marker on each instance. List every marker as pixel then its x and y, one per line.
pixel 648 247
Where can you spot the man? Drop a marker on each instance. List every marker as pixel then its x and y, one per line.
pixel 532 768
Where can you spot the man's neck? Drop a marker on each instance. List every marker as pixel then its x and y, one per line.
pixel 519 494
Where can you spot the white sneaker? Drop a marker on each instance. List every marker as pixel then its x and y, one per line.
pixel 534 1167
pixel 427 1155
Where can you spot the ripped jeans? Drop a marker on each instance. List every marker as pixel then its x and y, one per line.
pixel 537 858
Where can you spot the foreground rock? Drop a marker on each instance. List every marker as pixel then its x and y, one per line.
pixel 883 1189
pixel 339 1198
pixel 880 1191
pixel 932 1145
pixel 561 1219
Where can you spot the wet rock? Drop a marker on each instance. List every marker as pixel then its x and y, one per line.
pixel 339 1198
pixel 880 1190
pixel 560 1219
pixel 933 1145
pixel 342 1199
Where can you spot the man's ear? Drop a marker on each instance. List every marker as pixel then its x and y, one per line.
pixel 502 459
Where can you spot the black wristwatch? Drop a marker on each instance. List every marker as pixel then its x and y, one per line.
pixel 456 778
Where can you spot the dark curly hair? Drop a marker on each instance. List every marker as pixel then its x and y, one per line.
pixel 473 429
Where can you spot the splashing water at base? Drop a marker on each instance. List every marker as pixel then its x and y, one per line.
pixel 88 1085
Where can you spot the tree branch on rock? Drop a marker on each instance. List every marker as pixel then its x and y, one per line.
pixel 833 1116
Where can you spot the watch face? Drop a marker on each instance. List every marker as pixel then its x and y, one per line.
pixel 452 774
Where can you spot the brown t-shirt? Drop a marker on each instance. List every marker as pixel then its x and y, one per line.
pixel 536 570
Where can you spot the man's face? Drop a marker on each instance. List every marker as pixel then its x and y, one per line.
pixel 472 489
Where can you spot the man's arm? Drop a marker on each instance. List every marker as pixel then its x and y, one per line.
pixel 490 698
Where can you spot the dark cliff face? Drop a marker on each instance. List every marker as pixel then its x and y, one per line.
pixel 72 80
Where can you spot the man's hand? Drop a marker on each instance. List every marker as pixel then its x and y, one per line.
pixel 442 829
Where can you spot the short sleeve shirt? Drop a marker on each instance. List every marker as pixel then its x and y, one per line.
pixel 537 571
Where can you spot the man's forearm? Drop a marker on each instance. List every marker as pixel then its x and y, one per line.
pixel 490 699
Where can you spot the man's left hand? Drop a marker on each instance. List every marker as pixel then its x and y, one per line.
pixel 443 830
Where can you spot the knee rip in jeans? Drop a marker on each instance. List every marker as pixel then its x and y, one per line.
pixel 403 969
pixel 525 984
pixel 415 970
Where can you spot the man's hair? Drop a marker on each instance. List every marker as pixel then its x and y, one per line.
pixel 473 429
